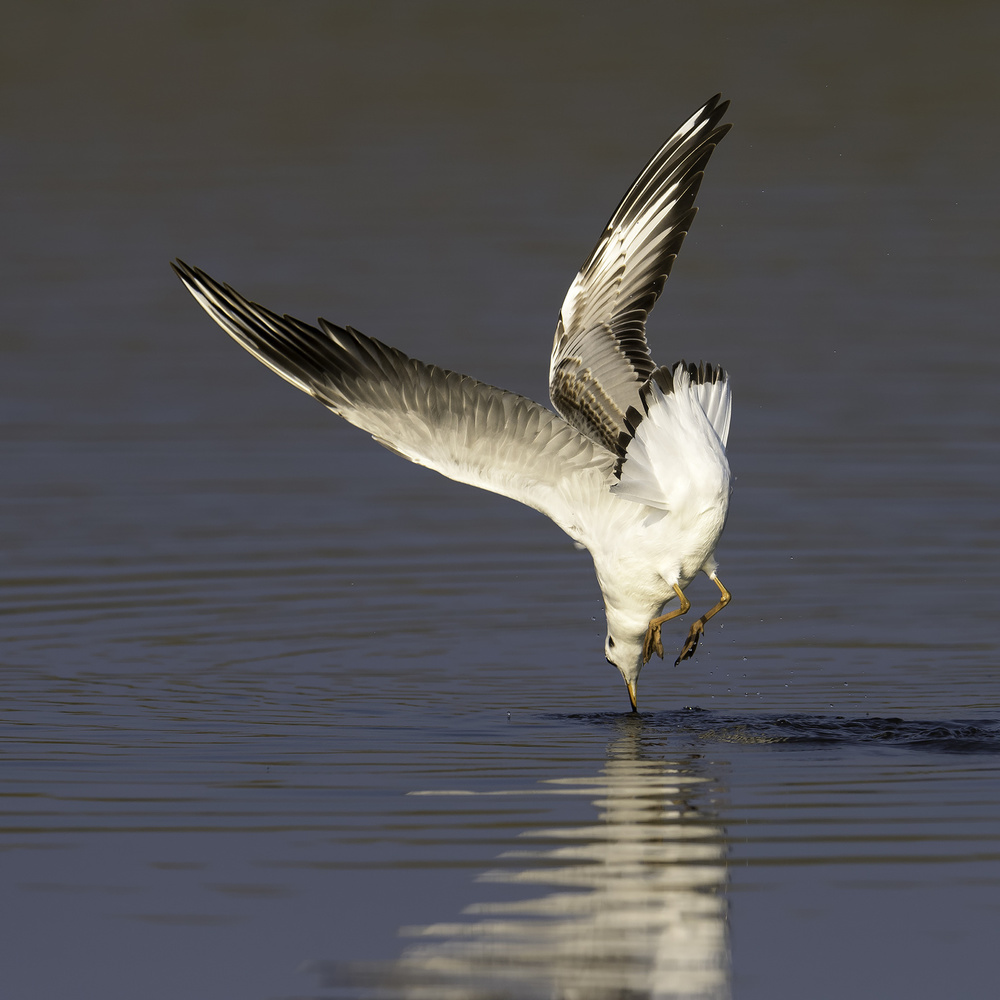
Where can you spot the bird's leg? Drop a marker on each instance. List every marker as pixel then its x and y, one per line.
pixel 653 643
pixel 699 626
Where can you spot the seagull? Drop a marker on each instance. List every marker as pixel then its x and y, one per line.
pixel 631 465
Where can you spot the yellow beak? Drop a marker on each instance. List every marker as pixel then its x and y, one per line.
pixel 631 694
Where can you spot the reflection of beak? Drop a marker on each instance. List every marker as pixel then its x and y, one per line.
pixel 631 694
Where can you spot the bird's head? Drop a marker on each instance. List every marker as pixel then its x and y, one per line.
pixel 623 649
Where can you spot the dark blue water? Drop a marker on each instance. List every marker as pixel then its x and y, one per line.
pixel 283 716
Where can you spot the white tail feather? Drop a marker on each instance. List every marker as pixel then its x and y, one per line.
pixel 676 460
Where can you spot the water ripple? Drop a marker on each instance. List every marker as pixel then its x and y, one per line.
pixel 968 736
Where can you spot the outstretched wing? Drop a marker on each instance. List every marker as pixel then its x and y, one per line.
pixel 466 430
pixel 599 357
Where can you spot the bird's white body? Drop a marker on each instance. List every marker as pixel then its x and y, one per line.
pixel 657 528
pixel 632 466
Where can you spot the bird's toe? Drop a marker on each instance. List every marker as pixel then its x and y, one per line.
pixel 652 644
pixel 692 642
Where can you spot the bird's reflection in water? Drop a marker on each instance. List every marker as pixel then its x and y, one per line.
pixel 639 908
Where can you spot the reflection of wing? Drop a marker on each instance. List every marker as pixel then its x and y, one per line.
pixel 635 905
pixel 464 429
pixel 599 358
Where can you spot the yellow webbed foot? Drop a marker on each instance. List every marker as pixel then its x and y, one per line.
pixel 692 641
pixel 653 643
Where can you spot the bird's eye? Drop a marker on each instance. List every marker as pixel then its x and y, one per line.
pixel 611 643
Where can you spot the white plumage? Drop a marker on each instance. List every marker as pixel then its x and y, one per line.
pixel 632 465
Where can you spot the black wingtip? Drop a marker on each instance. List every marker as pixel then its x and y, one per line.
pixel 715 108
pixel 187 273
